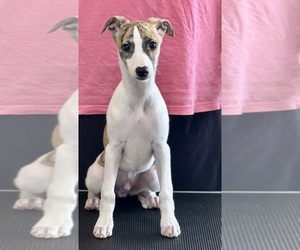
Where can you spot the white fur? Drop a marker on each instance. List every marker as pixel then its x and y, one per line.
pixel 137 128
pixel 139 58
pixel 59 181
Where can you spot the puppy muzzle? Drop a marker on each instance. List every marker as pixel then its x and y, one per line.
pixel 142 73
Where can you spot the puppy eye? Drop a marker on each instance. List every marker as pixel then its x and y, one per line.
pixel 125 47
pixel 152 45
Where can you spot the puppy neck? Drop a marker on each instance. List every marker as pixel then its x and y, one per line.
pixel 137 94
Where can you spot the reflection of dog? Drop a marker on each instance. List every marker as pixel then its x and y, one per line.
pixel 55 172
pixel 137 131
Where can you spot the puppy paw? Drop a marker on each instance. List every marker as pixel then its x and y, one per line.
pixel 54 229
pixel 50 231
pixel 170 228
pixel 149 201
pixel 103 230
pixel 92 203
pixel 29 203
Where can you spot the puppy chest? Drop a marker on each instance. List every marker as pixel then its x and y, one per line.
pixel 146 123
pixel 137 152
pixel 136 158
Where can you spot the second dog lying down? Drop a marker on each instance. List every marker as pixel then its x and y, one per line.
pixel 136 160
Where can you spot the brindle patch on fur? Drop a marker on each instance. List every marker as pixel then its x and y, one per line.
pixel 126 36
pixel 128 54
pixel 148 33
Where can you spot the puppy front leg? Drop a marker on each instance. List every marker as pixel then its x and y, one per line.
pixel 169 225
pixel 61 197
pixel 104 224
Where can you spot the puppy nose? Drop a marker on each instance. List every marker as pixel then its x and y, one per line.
pixel 142 71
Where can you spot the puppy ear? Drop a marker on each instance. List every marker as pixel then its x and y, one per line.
pixel 163 26
pixel 70 25
pixel 114 24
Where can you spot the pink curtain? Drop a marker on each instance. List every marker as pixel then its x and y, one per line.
pixel 260 56
pixel 189 70
pixel 38 71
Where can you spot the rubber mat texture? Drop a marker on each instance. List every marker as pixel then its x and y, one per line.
pixel 261 221
pixel 249 221
pixel 199 216
pixel 15 229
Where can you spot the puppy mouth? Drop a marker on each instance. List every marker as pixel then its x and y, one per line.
pixel 142 79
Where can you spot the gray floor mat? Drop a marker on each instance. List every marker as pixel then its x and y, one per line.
pixel 260 221
pixel 249 221
pixel 199 216
pixel 15 229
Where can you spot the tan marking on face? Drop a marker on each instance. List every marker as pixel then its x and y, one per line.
pixel 126 37
pixel 126 34
pixel 148 30
pixel 149 34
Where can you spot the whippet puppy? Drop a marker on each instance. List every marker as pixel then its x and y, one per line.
pixel 136 159
pixel 55 173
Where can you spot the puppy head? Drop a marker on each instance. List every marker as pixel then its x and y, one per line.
pixel 70 25
pixel 138 43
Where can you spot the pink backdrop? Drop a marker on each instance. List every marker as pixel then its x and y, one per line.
pixel 260 55
pixel 189 67
pixel 38 71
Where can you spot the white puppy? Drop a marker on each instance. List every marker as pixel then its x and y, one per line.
pixel 56 172
pixel 136 160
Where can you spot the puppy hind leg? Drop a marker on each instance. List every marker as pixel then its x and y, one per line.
pixel 61 196
pixel 148 199
pixel 33 181
pixel 93 181
pixel 61 199
pixel 28 201
pixel 146 189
